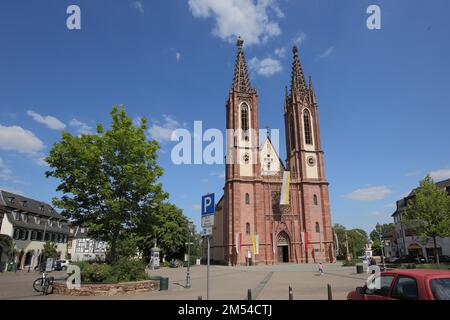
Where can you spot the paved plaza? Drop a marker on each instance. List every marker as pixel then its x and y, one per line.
pixel 227 283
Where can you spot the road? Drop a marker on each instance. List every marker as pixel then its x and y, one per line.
pixel 227 283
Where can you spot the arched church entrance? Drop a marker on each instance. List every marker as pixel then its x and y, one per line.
pixel 283 247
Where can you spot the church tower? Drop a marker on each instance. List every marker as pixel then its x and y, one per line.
pixel 305 159
pixel 242 189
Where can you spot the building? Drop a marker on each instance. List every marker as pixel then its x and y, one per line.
pixel 250 223
pixel 82 247
pixel 25 225
pixel 406 242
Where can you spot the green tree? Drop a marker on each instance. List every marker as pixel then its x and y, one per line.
pixel 340 230
pixel 376 247
pixel 357 240
pixel 429 212
pixel 50 250
pixel 168 226
pixel 383 228
pixel 108 179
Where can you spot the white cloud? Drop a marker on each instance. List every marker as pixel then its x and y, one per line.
pixel 250 19
pixel 5 172
pixel 163 132
pixel 412 173
pixel 390 206
pixel 442 174
pixel 219 174
pixel 178 56
pixel 299 39
pixel 82 128
pixel 138 5
pixel 12 190
pixel 41 162
pixel 379 214
pixel 327 52
pixel 18 139
pixel 369 194
pixel 266 67
pixel 50 121
pixel 280 52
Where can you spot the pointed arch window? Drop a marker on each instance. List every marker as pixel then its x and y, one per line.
pixel 317 227
pixel 292 132
pixel 247 198
pixel 307 127
pixel 247 228
pixel 315 200
pixel 244 121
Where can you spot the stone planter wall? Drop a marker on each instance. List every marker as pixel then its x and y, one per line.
pixel 106 289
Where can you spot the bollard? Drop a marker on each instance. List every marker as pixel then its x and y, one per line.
pixel 330 295
pixel 200 298
pixel 291 295
pixel 249 294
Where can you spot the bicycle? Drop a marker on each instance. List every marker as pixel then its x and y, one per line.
pixel 44 284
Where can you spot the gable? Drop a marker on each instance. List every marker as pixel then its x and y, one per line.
pixel 270 161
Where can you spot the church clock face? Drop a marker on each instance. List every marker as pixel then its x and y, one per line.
pixel 311 161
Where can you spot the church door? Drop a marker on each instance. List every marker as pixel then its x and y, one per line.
pixel 283 247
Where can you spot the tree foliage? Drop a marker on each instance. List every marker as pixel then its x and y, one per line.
pixel 50 250
pixel 108 180
pixel 357 239
pixel 429 212
pixel 383 228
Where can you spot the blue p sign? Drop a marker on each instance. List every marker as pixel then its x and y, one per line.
pixel 208 204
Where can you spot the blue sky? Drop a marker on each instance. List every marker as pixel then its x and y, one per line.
pixel 383 94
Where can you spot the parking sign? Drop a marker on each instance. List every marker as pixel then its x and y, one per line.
pixel 208 204
pixel 208 209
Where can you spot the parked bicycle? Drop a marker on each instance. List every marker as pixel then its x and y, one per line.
pixel 44 284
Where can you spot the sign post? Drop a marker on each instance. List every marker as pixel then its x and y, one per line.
pixel 208 210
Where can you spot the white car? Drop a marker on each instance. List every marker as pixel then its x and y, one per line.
pixel 63 264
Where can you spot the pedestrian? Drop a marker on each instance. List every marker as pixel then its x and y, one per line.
pixel 321 268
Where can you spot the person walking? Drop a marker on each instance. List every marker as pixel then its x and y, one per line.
pixel 320 268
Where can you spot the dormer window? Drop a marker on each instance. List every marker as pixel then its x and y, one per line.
pixel 41 207
pixel 11 199
pixel 23 203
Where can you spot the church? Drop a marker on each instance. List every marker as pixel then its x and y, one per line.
pixel 251 224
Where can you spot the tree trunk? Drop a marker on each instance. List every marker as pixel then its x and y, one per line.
pixel 113 252
pixel 436 254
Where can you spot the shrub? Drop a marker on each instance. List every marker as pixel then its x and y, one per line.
pixel 124 270
pixel 350 263
pixel 94 272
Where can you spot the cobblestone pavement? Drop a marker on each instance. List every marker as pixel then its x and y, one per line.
pixel 227 283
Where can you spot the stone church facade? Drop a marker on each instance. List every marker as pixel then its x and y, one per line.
pixel 250 223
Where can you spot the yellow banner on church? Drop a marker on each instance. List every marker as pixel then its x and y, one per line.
pixel 255 240
pixel 284 199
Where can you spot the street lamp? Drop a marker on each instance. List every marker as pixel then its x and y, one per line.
pixel 188 276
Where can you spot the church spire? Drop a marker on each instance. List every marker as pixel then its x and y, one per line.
pixel 298 83
pixel 241 79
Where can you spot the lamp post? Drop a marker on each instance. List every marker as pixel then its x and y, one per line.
pixel 188 275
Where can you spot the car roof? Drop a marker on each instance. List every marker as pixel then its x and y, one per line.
pixel 420 273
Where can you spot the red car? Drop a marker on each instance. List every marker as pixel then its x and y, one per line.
pixel 411 284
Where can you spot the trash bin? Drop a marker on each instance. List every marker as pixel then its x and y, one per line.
pixel 359 268
pixel 164 283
